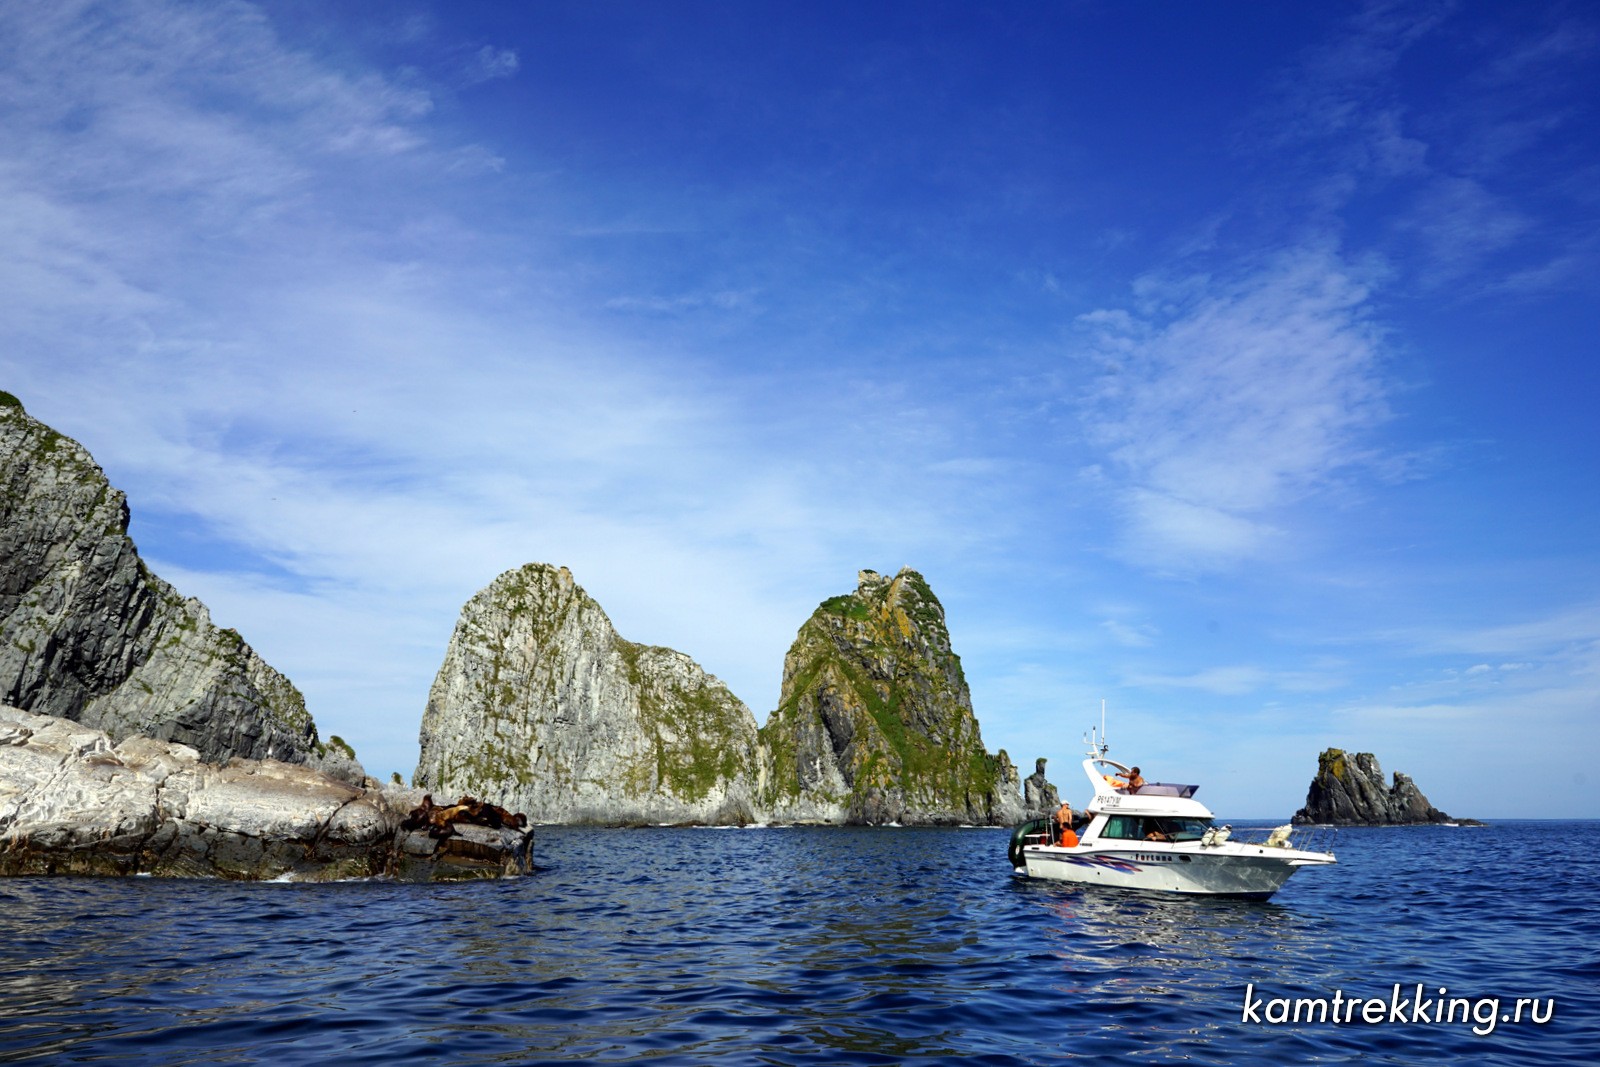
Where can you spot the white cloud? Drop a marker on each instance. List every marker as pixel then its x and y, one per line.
pixel 719 300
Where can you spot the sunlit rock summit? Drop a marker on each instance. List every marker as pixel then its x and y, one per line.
pixel 89 634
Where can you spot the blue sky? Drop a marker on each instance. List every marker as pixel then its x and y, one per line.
pixel 1231 363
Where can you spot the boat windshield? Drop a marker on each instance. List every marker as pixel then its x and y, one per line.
pixel 1152 828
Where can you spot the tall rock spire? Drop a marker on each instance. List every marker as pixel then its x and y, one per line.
pixel 875 722
pixel 540 704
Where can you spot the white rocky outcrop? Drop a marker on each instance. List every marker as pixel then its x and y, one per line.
pixel 74 802
pixel 540 702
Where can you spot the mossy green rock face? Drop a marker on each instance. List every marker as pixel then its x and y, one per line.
pixel 89 634
pixel 541 706
pixel 875 722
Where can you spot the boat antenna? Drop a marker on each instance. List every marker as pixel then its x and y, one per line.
pixel 1098 743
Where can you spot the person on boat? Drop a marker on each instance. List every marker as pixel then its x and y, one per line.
pixel 1069 837
pixel 1134 782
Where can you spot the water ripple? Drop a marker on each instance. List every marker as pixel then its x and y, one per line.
pixel 802 946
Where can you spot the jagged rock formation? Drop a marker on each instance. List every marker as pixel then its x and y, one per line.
pixel 875 722
pixel 89 634
pixel 541 703
pixel 1349 791
pixel 72 802
pixel 1039 797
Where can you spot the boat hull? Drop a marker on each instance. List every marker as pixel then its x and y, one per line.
pixel 1248 872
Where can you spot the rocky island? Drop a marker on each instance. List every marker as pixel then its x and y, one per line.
pixel 1349 790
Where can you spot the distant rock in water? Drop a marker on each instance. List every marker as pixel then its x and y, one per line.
pixel 875 722
pixel 89 634
pixel 1039 797
pixel 1350 791
pixel 539 702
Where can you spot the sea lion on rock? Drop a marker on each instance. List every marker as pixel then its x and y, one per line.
pixel 440 821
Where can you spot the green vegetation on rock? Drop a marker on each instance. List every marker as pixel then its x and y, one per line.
pixel 874 696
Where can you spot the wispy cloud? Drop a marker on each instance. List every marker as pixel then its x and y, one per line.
pixel 719 300
pixel 1130 635
pixel 1244 679
pixel 489 63
pixel 1476 205
pixel 1218 408
pixel 337 418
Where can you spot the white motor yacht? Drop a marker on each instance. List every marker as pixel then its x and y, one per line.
pixel 1157 836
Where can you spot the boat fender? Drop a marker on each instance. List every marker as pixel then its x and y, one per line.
pixel 1020 835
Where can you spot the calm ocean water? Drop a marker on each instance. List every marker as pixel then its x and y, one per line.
pixel 835 946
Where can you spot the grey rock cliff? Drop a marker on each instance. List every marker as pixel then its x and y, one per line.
pixel 540 702
pixel 875 722
pixel 74 802
pixel 1349 790
pixel 88 633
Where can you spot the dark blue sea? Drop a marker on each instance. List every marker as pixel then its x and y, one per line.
pixel 822 946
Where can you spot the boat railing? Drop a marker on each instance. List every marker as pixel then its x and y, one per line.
pixel 1301 838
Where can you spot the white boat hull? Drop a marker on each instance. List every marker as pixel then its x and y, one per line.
pixel 1247 871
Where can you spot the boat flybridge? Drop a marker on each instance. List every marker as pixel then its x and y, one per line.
pixel 1155 835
